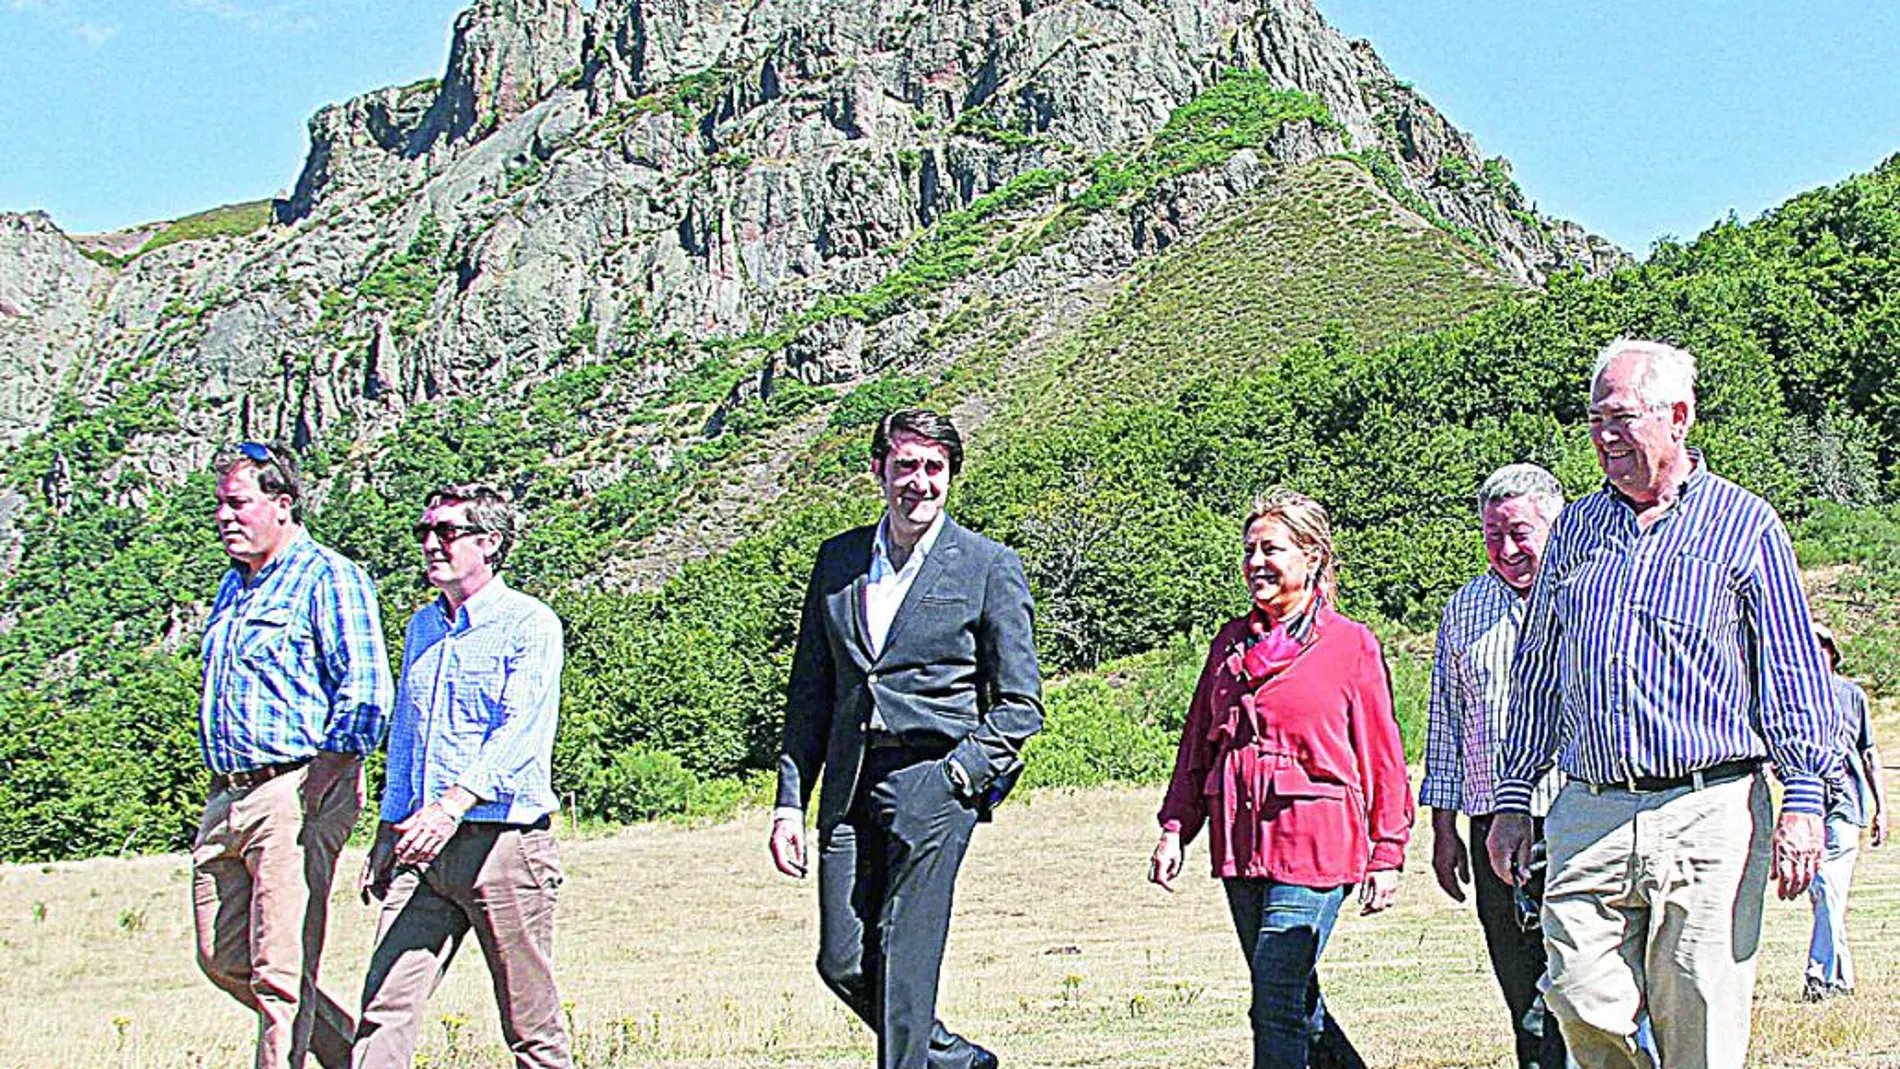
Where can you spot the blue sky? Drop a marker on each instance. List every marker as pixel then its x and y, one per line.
pixel 1637 118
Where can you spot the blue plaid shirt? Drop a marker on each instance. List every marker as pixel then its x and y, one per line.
pixel 293 662
pixel 1663 651
pixel 1471 696
pixel 477 707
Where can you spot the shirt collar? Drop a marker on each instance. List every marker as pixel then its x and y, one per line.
pixel 1698 474
pixel 291 549
pixel 881 545
pixel 1502 589
pixel 482 606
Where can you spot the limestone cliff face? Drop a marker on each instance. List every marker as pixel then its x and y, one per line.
pixel 701 169
pixel 48 293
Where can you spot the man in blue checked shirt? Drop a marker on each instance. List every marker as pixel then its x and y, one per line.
pixel 465 842
pixel 296 691
pixel 1666 654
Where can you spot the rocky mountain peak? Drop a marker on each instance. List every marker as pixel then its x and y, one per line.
pixel 505 56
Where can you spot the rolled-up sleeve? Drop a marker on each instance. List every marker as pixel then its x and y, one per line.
pixel 349 636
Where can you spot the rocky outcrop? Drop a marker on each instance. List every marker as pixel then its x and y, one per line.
pixel 48 289
pixel 582 183
pixel 505 57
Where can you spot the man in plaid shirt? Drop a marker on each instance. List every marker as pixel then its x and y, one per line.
pixel 296 691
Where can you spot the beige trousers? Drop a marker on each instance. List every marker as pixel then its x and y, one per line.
pixel 499 881
pixel 1654 903
pixel 262 867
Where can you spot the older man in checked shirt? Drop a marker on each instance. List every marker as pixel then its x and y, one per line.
pixel 1666 653
pixel 465 843
pixel 1471 694
pixel 296 691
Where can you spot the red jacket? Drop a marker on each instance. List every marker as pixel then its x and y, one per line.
pixel 1307 788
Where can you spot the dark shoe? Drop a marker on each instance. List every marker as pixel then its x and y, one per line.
pixel 1816 990
pixel 982 1059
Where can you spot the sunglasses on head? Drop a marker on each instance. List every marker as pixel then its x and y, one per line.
pixel 444 531
pixel 257 452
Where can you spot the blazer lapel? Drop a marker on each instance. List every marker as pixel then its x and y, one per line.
pixel 860 629
pixel 941 557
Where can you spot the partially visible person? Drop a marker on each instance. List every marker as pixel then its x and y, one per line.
pixel 1857 800
pixel 465 843
pixel 1291 757
pixel 1470 697
pixel 296 691
pixel 1665 654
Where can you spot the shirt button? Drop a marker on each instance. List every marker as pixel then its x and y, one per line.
pixel 871 679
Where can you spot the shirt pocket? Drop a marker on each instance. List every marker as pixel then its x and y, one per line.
pixel 277 638
pixel 1695 594
pixel 479 678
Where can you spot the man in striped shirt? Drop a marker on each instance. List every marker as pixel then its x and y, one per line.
pixel 1666 654
pixel 465 842
pixel 296 691
pixel 1471 694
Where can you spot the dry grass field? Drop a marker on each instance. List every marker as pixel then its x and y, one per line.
pixel 679 947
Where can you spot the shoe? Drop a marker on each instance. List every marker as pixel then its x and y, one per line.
pixel 1817 990
pixel 982 1059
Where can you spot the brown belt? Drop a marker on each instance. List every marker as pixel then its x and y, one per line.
pixel 245 779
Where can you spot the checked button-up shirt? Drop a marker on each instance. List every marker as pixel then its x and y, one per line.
pixel 294 662
pixel 477 707
pixel 1470 699
pixel 1660 652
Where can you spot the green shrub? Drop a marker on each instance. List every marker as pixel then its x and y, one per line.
pixel 872 400
pixel 232 220
pixel 640 784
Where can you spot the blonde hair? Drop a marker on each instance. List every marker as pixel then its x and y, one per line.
pixel 1306 520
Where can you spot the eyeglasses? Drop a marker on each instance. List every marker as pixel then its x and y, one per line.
pixel 1620 421
pixel 444 531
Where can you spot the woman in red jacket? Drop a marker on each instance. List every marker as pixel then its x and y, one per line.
pixel 1292 757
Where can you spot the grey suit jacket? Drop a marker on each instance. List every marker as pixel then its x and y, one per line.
pixel 958 669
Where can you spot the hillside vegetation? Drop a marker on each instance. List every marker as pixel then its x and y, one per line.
pixel 1283 345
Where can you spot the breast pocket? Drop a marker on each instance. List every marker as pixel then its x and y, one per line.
pixel 278 638
pixel 479 678
pixel 1696 595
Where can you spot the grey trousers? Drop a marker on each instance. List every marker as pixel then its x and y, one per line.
pixel 499 881
pixel 886 877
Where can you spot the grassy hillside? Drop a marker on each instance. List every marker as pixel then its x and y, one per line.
pixel 1326 247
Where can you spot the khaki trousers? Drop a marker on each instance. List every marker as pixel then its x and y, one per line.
pixel 262 867
pixel 500 881
pixel 1654 902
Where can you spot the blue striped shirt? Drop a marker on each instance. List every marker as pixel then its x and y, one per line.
pixel 293 662
pixel 1471 696
pixel 477 707
pixel 1663 651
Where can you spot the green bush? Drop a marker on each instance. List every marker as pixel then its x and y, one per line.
pixel 640 784
pixel 232 220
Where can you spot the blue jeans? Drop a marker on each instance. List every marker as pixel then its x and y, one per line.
pixel 1283 928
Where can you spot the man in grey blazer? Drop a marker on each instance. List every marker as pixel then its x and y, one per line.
pixel 914 687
